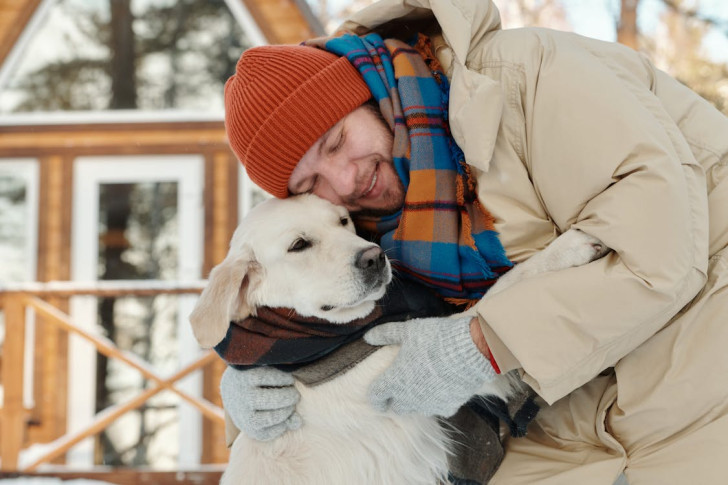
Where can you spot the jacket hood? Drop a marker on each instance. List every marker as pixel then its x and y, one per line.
pixel 463 22
pixel 463 26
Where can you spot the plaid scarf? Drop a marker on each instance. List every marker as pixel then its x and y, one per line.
pixel 443 236
pixel 288 341
pixel 281 337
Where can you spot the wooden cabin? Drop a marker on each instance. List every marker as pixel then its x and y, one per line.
pixel 115 202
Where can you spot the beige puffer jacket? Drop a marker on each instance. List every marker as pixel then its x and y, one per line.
pixel 567 131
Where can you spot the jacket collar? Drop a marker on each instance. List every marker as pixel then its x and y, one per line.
pixel 476 108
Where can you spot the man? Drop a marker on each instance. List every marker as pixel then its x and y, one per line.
pixel 558 131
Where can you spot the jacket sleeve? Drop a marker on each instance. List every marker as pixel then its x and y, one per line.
pixel 604 157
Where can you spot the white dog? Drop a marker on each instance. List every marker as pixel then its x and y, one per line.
pixel 302 253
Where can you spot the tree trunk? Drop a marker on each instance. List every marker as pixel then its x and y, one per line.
pixel 113 243
pixel 123 57
pixel 627 32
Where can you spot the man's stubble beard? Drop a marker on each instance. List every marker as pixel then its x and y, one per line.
pixel 394 202
pixel 394 199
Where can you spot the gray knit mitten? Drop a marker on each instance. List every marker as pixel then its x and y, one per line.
pixel 437 370
pixel 261 402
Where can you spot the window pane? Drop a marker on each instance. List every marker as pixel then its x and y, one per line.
pixel 138 231
pixel 138 239
pixel 14 220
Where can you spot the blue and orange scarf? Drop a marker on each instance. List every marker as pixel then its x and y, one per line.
pixel 443 236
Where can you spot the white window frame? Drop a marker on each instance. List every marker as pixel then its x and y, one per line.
pixel 89 174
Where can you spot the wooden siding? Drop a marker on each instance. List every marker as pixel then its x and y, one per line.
pixel 56 148
pixel 112 139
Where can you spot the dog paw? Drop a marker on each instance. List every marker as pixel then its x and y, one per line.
pixel 572 248
pixel 578 248
pixel 597 247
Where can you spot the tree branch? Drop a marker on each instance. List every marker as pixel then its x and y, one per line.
pixel 693 13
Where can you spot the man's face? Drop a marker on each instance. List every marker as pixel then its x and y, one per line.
pixel 351 165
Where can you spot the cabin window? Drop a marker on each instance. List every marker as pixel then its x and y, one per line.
pixel 136 218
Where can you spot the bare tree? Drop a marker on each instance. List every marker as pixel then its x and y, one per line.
pixel 678 7
pixel 193 46
pixel 627 31
pixel 679 48
pixel 123 57
pixel 532 13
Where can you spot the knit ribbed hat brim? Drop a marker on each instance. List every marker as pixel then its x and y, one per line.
pixel 282 99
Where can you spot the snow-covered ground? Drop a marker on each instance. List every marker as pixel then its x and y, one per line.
pixel 56 481
pixel 48 481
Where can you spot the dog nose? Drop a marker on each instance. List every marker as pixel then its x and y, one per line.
pixel 371 259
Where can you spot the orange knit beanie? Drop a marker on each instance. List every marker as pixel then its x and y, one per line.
pixel 281 99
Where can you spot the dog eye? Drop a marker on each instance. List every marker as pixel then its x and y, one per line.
pixel 344 221
pixel 299 245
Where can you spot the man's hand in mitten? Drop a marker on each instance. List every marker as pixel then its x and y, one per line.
pixel 437 370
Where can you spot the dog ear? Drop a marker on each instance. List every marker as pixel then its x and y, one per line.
pixel 222 300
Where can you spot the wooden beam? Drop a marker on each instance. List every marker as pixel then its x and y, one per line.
pixel 109 415
pixel 214 449
pixel 50 380
pixel 14 17
pixel 223 219
pixel 106 347
pixel 260 20
pixel 221 195
pixel 54 222
pixel 13 412
pixel 51 142
pixel 108 289
pixel 284 21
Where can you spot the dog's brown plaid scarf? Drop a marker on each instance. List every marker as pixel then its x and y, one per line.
pixel 281 337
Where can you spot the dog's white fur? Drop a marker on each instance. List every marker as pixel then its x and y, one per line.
pixel 343 439
pixel 262 268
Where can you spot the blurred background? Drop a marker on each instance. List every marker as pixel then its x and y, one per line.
pixel 92 55
pixel 114 171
